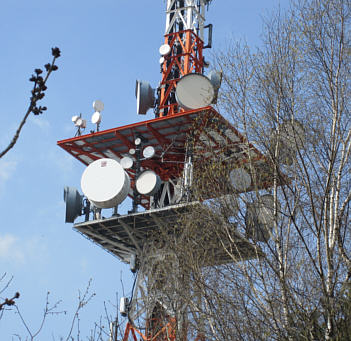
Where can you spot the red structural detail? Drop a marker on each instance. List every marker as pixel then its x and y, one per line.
pixel 210 132
pixel 165 332
pixel 186 56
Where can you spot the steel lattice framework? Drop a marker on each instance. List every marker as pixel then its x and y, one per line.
pixel 213 140
pixel 185 35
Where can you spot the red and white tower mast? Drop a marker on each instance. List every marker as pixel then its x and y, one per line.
pixel 182 52
pixel 152 163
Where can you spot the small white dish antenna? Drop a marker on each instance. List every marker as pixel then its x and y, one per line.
pixel 132 151
pixel 75 118
pixel 240 179
pixel 194 91
pixel 81 123
pixel 149 152
pixel 148 183
pixel 164 50
pixel 137 141
pixel 98 106
pixel 96 118
pixel 162 60
pixel 126 162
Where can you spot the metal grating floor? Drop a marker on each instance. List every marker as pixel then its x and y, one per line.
pixel 127 234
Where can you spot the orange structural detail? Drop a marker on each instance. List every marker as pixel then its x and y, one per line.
pixel 214 139
pixel 186 56
pixel 164 332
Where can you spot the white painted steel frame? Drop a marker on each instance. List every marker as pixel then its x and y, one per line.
pixel 192 15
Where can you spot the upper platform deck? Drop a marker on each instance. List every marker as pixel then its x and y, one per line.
pixel 213 139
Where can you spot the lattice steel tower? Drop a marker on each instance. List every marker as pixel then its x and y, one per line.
pixel 152 162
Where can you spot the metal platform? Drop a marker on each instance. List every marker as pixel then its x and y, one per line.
pixel 127 234
pixel 213 139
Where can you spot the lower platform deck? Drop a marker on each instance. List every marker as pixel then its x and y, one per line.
pixel 125 235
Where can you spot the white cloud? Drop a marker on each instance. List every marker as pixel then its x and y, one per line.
pixel 21 251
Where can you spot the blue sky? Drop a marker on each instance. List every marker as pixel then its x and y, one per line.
pixel 106 45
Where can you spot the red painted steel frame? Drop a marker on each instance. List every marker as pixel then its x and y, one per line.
pixel 189 58
pixel 169 136
pixel 166 333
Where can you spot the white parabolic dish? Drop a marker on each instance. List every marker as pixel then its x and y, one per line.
pixel 240 179
pixel 126 162
pixel 105 183
pixel 98 106
pixel 194 91
pixel 96 118
pixel 148 183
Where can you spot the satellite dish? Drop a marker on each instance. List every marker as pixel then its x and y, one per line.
pixel 194 91
pixel 149 152
pixel 74 204
pixel 132 151
pixel 259 218
pixel 98 106
pixel 96 118
pixel 162 60
pixel 216 79
pixel 105 183
pixel 148 183
pixel 81 123
pixel 137 141
pixel 164 50
pixel 291 137
pixel 126 162
pixel 75 118
pixel 145 96
pixel 293 134
pixel 228 205
pixel 240 179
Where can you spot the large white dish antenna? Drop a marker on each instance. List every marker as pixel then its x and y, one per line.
pixel 194 91
pixel 240 179
pixel 148 183
pixel 105 183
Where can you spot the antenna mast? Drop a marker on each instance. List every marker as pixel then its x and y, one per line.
pixel 182 52
pixel 152 162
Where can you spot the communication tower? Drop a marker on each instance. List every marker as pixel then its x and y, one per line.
pixel 152 162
